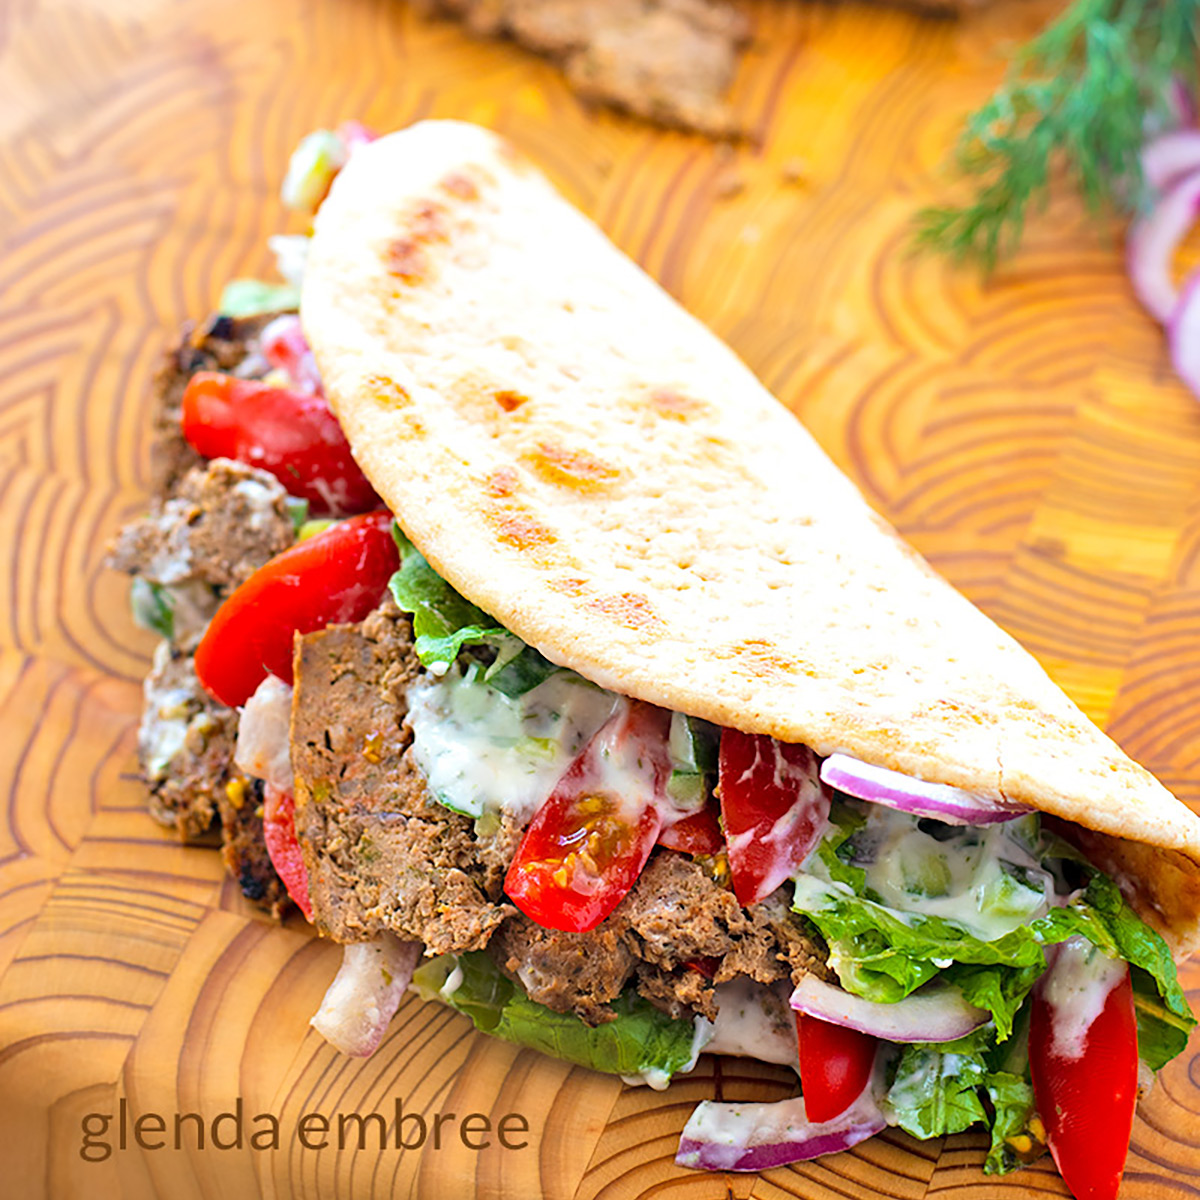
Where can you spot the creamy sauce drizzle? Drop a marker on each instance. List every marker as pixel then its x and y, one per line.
pixel 481 750
pixel 1076 989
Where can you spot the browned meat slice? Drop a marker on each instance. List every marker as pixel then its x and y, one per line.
pixel 568 972
pixel 243 848
pixel 669 61
pixel 220 344
pixel 680 915
pixel 381 853
pixel 222 524
pixel 185 744
pixel 679 993
pixel 802 955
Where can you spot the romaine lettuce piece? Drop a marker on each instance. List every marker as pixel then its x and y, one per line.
pixel 642 1041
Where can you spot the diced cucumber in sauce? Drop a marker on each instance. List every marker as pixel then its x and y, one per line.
pixel 693 745
pixel 985 879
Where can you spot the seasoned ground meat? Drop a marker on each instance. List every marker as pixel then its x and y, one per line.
pixel 224 521
pixel 567 972
pixel 679 993
pixel 669 61
pixel 219 344
pixel 381 853
pixel 185 744
pixel 243 848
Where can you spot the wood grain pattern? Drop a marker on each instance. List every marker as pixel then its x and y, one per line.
pixel 1025 433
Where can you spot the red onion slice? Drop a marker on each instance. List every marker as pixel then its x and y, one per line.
pixel 1153 240
pixel 1170 157
pixel 1183 333
pixel 365 993
pixel 938 800
pixel 937 1013
pixel 757 1137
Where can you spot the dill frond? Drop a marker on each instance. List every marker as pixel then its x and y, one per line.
pixel 1083 95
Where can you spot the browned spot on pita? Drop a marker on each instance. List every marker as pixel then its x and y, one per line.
pixel 519 529
pixel 571 468
pixel 629 608
pixel 461 185
pixel 669 403
pixel 427 222
pixel 501 482
pixel 568 585
pixel 405 259
pixel 387 393
pixel 510 401
pixel 762 660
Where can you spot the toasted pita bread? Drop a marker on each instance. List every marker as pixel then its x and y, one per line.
pixel 585 461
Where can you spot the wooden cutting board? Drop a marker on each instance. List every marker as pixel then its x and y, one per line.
pixel 1026 434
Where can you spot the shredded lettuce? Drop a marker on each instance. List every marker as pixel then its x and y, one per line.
pixel 1015 1137
pixel 939 1088
pixel 446 624
pixel 641 1040
pixel 883 954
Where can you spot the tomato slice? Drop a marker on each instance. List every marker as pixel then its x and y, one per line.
pixel 587 844
pixel 279 833
pixel 291 434
pixel 835 1066
pixel 699 833
pixel 1086 1102
pixel 338 575
pixel 774 807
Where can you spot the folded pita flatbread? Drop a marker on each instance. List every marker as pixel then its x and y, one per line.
pixel 586 462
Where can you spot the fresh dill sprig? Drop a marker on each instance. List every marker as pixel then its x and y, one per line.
pixel 1083 95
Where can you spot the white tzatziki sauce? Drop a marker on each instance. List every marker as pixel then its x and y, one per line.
pixel 1076 988
pixel 984 879
pixel 481 750
pixel 753 1021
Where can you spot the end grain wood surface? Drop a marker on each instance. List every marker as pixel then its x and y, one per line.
pixel 1026 434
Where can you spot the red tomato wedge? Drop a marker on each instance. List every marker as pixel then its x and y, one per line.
pixel 774 808
pixel 835 1066
pixel 291 434
pixel 587 844
pixel 339 575
pixel 279 833
pixel 699 833
pixel 1087 1101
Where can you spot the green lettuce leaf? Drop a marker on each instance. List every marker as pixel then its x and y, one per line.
pixel 251 297
pixel 940 1088
pixel 883 954
pixel 1011 1098
pixel 641 1039
pixel 936 1086
pixel 446 623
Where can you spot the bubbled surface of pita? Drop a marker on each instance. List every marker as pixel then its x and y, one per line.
pixel 588 463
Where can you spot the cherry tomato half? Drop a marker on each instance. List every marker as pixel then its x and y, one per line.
pixel 587 844
pixel 1087 1102
pixel 835 1066
pixel 279 833
pixel 292 435
pixel 338 575
pixel 699 833
pixel 774 808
